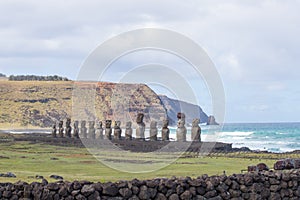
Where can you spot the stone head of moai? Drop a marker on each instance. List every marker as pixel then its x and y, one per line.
pixel 117 124
pixel 180 123
pixel 60 124
pixel 68 122
pixel 165 123
pixel 83 123
pixel 196 122
pixel 153 124
pixel 128 124
pixel 140 118
pixel 76 123
pixel 91 124
pixel 107 123
pixel 99 125
pixel 180 116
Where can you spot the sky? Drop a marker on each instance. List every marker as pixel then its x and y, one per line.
pixel 254 44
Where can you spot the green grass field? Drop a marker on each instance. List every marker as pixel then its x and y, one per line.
pixel 27 160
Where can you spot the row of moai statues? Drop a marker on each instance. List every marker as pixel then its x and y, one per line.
pixel 107 133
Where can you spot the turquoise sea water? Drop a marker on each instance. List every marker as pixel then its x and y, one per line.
pixel 274 137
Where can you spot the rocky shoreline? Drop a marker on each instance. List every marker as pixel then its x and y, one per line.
pixel 253 185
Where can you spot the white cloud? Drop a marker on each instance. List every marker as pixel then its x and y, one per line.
pixel 230 66
pixel 276 86
pixel 249 41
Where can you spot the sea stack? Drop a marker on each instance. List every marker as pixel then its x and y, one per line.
pixel 211 120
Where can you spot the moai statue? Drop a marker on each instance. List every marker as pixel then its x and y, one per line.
pixel 92 130
pixel 54 130
pixel 83 129
pixel 196 131
pixel 68 131
pixel 181 130
pixel 99 130
pixel 60 129
pixel 153 131
pixel 165 131
pixel 117 130
pixel 108 129
pixel 128 131
pixel 76 129
pixel 140 131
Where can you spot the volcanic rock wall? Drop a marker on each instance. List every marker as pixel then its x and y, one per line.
pixel 254 185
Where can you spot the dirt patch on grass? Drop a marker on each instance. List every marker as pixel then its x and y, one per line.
pixel 72 155
pixel 132 161
pixel 191 163
pixel 4 157
pixel 88 161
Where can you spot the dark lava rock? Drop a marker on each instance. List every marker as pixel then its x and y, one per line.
pixel 75 192
pixel 211 194
pixel 7 194
pixel 174 197
pixel 160 196
pixel 201 190
pixel 110 190
pixel 98 187
pixel 39 177
pixel 52 186
pixel 144 194
pixel 56 177
pixel 152 183
pixel 80 197
pixel 44 182
pixel 179 189
pixel 196 182
pixel 134 198
pixel 135 190
pixel 77 185
pixel 87 190
pixel 63 191
pixel 94 196
pixel 170 184
pixel 186 195
pixel 125 192
pixel 262 167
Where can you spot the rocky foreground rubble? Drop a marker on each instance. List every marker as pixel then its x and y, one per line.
pixel 253 185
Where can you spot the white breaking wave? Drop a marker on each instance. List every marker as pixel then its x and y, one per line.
pixel 235 134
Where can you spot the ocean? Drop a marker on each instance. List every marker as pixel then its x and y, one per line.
pixel 273 137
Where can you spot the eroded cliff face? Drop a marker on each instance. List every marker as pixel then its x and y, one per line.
pixel 40 104
pixel 116 101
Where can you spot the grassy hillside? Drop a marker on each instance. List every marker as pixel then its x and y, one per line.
pixel 40 104
pixel 29 103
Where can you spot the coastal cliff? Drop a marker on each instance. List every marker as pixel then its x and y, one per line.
pixel 191 111
pixel 41 103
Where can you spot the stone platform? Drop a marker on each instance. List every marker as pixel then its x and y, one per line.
pixel 133 145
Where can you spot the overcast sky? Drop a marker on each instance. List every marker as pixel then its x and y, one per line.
pixel 254 44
